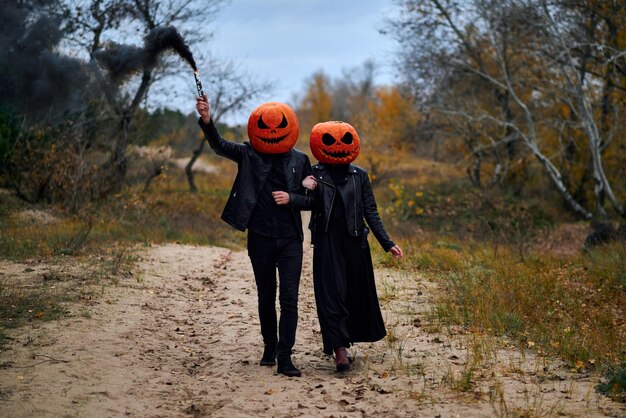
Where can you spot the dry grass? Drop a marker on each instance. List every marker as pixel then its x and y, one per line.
pixel 499 277
pixel 101 239
pixel 571 307
pixel 476 245
pixel 168 213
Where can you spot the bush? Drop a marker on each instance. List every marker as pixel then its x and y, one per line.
pixel 9 131
pixel 615 385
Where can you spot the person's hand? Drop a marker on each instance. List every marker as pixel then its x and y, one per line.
pixel 202 106
pixel 309 183
pixel 281 198
pixel 396 252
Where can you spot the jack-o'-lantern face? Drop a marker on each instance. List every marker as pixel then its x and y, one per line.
pixel 335 142
pixel 273 128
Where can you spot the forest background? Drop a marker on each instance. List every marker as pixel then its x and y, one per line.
pixel 498 160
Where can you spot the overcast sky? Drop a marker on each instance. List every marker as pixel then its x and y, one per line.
pixel 286 41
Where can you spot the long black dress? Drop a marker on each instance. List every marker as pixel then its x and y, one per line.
pixel 343 276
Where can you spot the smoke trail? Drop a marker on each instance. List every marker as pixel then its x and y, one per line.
pixel 34 78
pixel 122 61
pixel 161 39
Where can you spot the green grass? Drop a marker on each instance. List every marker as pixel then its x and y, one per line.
pixel 615 385
pixel 19 306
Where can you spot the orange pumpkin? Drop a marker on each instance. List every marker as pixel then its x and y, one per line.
pixel 335 142
pixel 273 128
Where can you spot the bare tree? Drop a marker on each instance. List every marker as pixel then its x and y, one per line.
pixel 229 89
pixel 579 97
pixel 92 20
pixel 529 61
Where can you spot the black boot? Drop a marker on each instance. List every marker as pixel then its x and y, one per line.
pixel 269 356
pixel 286 367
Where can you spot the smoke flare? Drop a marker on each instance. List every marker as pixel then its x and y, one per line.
pixel 122 61
pixel 198 84
pixel 161 39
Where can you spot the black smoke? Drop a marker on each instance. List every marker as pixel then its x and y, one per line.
pixel 122 61
pixel 35 78
pixel 168 38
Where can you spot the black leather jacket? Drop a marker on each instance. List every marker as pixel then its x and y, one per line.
pixel 359 203
pixel 251 175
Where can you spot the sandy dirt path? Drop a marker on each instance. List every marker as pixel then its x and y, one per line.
pixel 181 338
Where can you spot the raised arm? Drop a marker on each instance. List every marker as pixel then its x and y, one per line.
pixel 221 146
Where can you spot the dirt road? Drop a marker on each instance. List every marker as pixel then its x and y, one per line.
pixel 181 338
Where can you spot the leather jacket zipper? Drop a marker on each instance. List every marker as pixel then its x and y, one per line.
pixel 293 213
pixel 331 202
pixel 355 199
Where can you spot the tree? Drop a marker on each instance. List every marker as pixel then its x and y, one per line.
pixel 384 117
pixel 317 104
pixel 229 89
pixel 501 73
pixel 90 21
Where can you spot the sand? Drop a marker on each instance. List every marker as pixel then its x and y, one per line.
pixel 179 336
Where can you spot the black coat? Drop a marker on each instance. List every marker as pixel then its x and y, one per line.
pixel 359 204
pixel 254 168
pixel 343 274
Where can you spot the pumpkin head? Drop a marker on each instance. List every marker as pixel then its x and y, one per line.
pixel 335 142
pixel 273 128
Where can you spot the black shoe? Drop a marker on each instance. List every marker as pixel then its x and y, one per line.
pixel 269 356
pixel 342 360
pixel 286 367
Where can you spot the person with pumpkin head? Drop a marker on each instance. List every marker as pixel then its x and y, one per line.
pixel 343 275
pixel 266 198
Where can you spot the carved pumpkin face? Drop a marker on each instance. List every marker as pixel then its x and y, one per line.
pixel 273 128
pixel 335 142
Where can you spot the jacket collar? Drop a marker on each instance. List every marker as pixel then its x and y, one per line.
pixel 321 168
pixel 266 156
pixel 322 173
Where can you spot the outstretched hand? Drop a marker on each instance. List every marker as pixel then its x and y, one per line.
pixel 396 252
pixel 202 106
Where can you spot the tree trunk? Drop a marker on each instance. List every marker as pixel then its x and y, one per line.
pixel 151 177
pixel 557 180
pixel 189 167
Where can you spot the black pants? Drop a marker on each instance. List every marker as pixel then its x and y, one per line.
pixel 267 254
